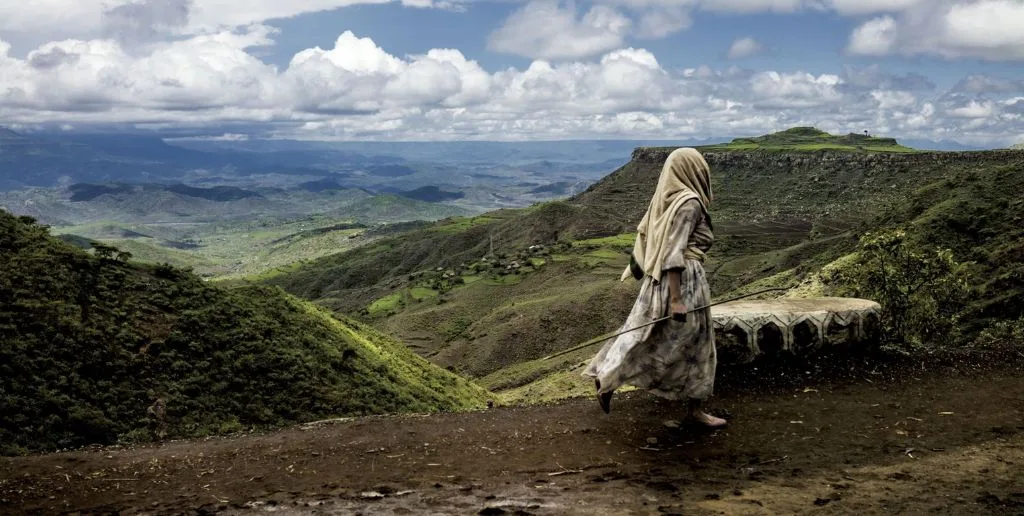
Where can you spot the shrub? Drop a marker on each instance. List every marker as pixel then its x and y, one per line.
pixel 922 290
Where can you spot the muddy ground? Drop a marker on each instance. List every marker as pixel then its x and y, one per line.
pixel 912 436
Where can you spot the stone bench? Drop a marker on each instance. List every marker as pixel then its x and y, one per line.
pixel 746 330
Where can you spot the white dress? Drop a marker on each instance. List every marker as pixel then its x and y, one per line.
pixel 672 359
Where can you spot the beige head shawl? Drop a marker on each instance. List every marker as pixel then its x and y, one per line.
pixel 684 176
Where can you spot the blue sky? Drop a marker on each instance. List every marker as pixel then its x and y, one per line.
pixel 519 69
pixel 806 41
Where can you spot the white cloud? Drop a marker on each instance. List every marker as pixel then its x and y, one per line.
pixel 545 29
pixel 974 109
pixel 356 89
pixel 744 47
pixel 794 90
pixel 985 29
pixel 876 37
pixel 47 20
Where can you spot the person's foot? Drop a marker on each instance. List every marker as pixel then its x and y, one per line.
pixel 708 420
pixel 603 398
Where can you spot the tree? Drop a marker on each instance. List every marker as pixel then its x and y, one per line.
pixel 922 290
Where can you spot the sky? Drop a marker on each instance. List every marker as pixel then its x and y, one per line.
pixel 516 69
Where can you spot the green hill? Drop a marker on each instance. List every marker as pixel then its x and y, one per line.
pixel 802 139
pixel 779 218
pixel 89 342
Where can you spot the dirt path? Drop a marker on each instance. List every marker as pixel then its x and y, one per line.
pixel 899 441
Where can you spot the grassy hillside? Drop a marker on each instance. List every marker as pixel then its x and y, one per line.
pixel 779 216
pixel 764 202
pixel 93 344
pixel 973 210
pixel 978 213
pixel 803 139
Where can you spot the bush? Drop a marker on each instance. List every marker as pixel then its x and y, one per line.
pixel 923 292
pixel 95 349
pixel 1001 334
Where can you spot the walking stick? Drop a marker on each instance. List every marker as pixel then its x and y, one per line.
pixel 607 336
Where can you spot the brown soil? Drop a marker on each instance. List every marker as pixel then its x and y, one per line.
pixel 901 438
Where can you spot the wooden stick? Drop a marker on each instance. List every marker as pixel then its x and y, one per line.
pixel 607 336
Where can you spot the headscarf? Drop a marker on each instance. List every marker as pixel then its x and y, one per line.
pixel 684 176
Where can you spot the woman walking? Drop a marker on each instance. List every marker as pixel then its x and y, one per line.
pixel 674 359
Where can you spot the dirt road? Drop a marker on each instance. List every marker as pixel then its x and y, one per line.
pixel 894 439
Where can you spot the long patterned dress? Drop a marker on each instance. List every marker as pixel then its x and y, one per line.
pixel 672 359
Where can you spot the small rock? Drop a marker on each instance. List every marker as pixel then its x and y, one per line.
pixel 822 501
pixel 652 440
pixel 671 423
pixel 371 495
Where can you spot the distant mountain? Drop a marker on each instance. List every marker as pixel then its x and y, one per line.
pixel 432 194
pixel 216 193
pixel 147 148
pixel 802 139
pixel 560 188
pixel 321 185
pixel 27 160
pixel 391 171
pixel 82 192
pixel 142 203
pixel 49 159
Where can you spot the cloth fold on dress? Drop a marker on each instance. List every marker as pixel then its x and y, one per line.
pixel 684 176
pixel 672 359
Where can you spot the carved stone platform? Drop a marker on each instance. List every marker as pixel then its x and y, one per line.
pixel 746 330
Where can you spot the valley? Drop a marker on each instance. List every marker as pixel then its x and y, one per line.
pixel 551 280
pixel 308 344
pixel 210 205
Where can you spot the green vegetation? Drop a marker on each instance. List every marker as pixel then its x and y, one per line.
pixel 978 216
pixel 783 220
pixel 458 224
pixel 98 349
pixel 921 291
pixel 809 139
pixel 624 241
pixel 386 304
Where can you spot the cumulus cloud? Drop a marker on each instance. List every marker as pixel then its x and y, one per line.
pixel 985 29
pixel 744 47
pixel 142 20
pixel 356 89
pixel 145 20
pixel 548 30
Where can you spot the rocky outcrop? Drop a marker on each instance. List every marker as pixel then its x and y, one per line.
pixel 819 159
pixel 842 187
